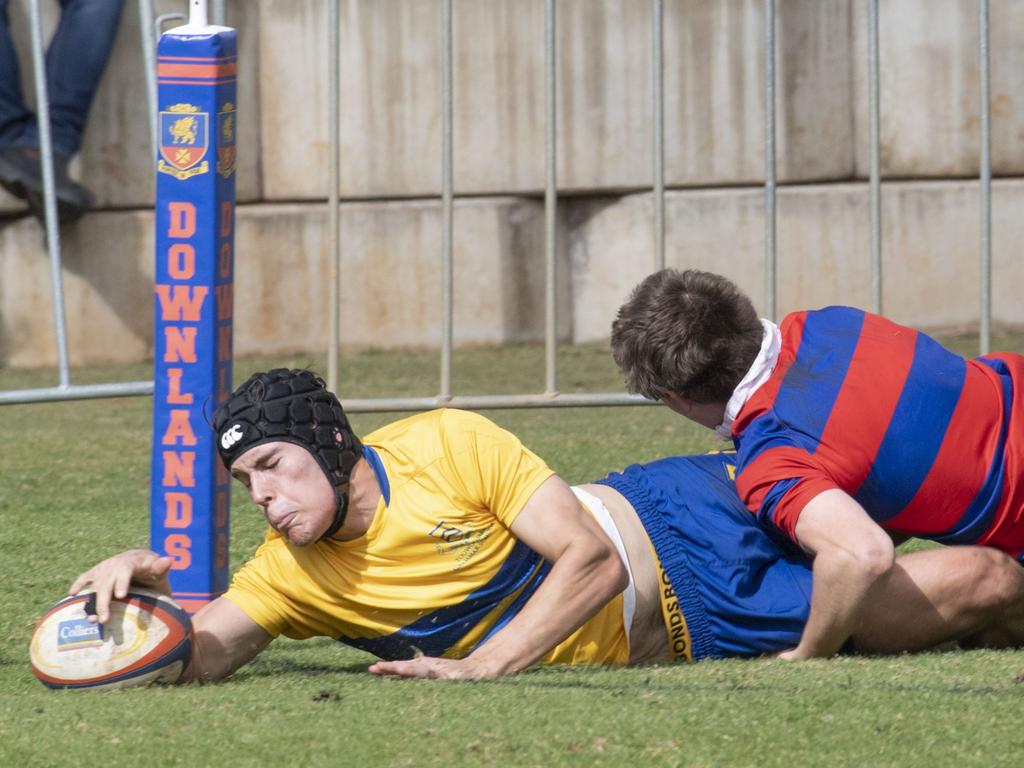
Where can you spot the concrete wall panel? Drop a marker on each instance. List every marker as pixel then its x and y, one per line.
pixel 391 275
pixel 108 287
pixel 391 94
pixel 930 272
pixel 714 91
pixel 929 87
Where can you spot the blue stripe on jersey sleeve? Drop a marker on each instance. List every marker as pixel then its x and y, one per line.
pixel 812 383
pixel 914 435
pixel 979 515
pixel 764 434
pixel 766 514
pixel 436 632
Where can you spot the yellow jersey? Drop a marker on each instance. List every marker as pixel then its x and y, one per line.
pixel 438 571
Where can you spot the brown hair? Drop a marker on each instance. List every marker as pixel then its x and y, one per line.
pixel 692 333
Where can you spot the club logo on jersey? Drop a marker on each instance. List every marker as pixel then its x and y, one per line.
pixel 226 140
pixel 463 543
pixel 447 533
pixel 184 138
pixel 78 633
pixel 231 436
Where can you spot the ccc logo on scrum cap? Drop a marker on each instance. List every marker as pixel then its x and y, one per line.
pixel 231 437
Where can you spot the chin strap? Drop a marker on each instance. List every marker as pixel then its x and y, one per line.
pixel 340 513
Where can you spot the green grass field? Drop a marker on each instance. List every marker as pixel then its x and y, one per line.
pixel 74 488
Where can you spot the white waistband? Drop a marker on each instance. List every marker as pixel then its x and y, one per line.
pixel 604 519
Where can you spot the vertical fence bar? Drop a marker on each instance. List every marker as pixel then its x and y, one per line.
pixel 49 193
pixel 446 203
pixel 769 156
pixel 149 54
pixel 333 212
pixel 874 141
pixel 550 200
pixel 218 15
pixel 658 105
pixel 985 334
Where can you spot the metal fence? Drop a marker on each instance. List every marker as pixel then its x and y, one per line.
pixel 150 28
pixel 549 396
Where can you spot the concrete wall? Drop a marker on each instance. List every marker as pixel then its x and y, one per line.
pixel 930 90
pixel 391 168
pixel 391 94
pixel 930 261
pixel 391 278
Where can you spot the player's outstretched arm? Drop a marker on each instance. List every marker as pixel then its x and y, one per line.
pixel 224 637
pixel 853 560
pixel 586 573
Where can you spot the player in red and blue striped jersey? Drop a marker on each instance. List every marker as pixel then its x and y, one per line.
pixel 850 429
pixel 928 443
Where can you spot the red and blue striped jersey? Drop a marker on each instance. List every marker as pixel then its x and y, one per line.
pixel 930 444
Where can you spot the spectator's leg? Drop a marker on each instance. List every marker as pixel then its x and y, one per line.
pixel 15 116
pixel 75 60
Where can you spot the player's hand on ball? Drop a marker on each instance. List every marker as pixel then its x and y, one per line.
pixel 113 576
pixel 432 668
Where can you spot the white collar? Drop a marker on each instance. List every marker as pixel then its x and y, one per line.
pixel 764 364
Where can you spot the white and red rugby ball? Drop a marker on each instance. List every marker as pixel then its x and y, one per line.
pixel 147 639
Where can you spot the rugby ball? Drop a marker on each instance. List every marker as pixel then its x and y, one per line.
pixel 147 639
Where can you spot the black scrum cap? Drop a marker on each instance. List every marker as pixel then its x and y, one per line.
pixel 293 406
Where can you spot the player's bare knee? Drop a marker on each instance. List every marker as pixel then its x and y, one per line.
pixel 877 558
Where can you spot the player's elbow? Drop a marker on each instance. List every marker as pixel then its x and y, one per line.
pixel 614 576
pixel 210 660
pixel 874 556
pixel 198 672
pixel 620 576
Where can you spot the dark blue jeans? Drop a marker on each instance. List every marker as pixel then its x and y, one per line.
pixel 75 60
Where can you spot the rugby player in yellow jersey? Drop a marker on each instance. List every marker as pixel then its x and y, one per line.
pixel 442 545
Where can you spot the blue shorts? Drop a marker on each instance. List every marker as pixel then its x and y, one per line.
pixel 742 592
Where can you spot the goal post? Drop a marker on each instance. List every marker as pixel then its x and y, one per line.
pixel 193 302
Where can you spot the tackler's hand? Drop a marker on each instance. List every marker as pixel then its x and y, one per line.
pixel 432 668
pixel 113 576
pixel 791 654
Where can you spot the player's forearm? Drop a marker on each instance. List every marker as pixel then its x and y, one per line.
pixel 580 583
pixel 209 662
pixel 853 558
pixel 844 585
pixel 224 638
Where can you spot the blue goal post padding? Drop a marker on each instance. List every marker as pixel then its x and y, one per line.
pixel 193 299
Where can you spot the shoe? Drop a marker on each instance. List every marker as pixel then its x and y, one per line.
pixel 21 174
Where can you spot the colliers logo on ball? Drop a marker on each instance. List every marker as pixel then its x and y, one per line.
pixel 78 633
